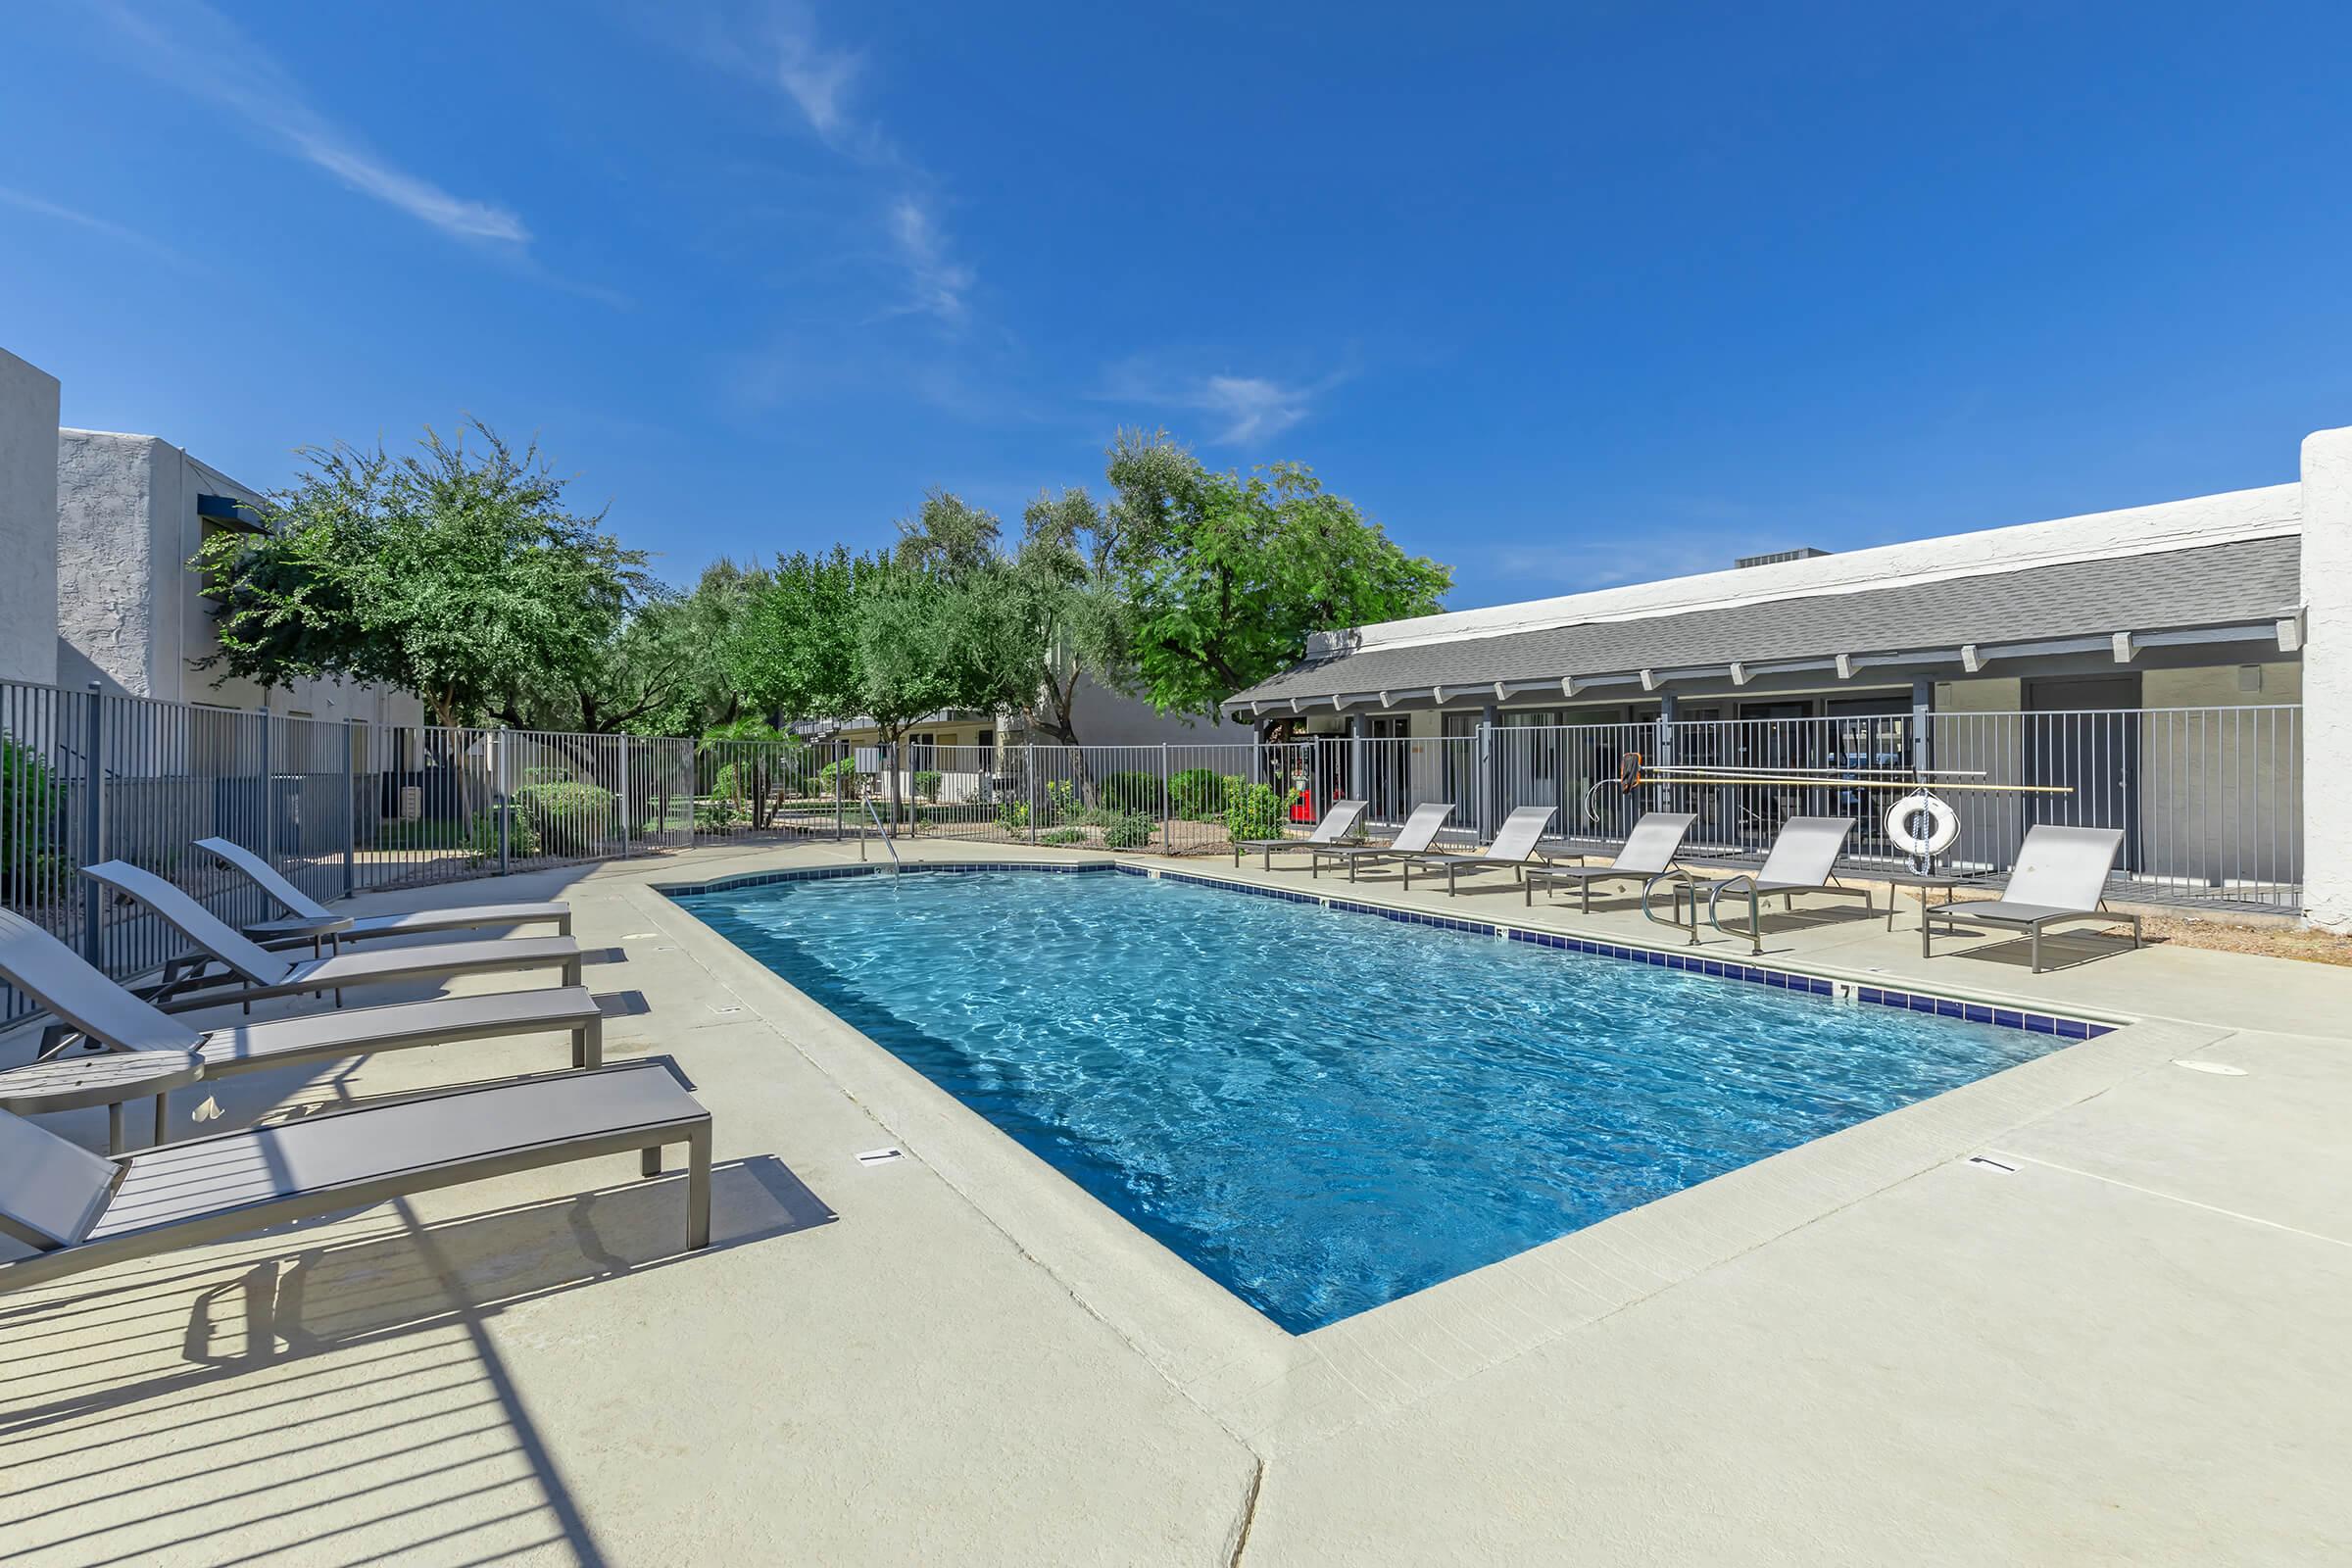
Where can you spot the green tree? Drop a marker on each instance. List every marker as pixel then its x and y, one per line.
pixel 658 674
pixel 790 649
pixel 1225 576
pixel 456 573
pixel 1083 626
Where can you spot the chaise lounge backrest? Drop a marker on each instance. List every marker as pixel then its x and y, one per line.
pixel 1520 832
pixel 2064 867
pixel 1337 822
pixel 193 920
pixel 266 876
pixel 1654 842
pixel 1805 851
pixel 55 976
pixel 51 1191
pixel 1420 829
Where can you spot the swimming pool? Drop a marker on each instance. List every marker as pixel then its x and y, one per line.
pixel 1324 1111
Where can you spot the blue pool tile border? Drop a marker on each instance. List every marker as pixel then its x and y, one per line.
pixel 2040 1023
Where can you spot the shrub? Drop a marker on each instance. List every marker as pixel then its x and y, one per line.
pixel 1255 811
pixel 568 819
pixel 1062 835
pixel 838 775
pixel 1131 831
pixel 28 802
pixel 523 838
pixel 1013 816
pixel 716 816
pixel 1130 793
pixel 1062 799
pixel 926 784
pixel 1198 794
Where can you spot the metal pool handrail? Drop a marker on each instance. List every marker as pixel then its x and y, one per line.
pixel 895 864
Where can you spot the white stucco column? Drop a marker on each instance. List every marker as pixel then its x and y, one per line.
pixel 2327 678
pixel 28 522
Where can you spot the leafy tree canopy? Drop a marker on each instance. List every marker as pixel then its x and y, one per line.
pixel 1225 576
pixel 454 573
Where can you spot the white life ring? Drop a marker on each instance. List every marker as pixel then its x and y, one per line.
pixel 1940 835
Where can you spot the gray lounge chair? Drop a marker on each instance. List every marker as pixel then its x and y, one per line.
pixel 92 1007
pixel 251 971
pixel 1649 850
pixel 2061 874
pixel 79 1211
pixel 1420 830
pixel 307 920
pixel 1513 849
pixel 1803 859
pixel 1336 824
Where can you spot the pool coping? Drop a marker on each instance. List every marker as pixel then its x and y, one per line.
pixel 1279 1391
pixel 1978 1007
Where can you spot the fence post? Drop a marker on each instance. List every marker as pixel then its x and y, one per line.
pixel 841 777
pixel 1486 778
pixel 1029 782
pixel 624 797
pixel 1923 704
pixel 1167 808
pixel 500 806
pixel 93 824
pixel 351 810
pixel 268 844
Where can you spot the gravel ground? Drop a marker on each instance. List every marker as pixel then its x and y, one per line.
pixel 2272 940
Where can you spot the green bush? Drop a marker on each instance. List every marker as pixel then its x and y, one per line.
pixel 1061 800
pixel 1255 811
pixel 838 775
pixel 716 816
pixel 29 859
pixel 523 838
pixel 1062 835
pixel 567 818
pixel 1198 794
pixel 1131 831
pixel 1013 816
pixel 926 784
pixel 1131 793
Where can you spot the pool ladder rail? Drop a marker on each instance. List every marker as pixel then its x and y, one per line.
pixel 896 866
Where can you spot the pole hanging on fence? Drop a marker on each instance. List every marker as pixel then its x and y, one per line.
pixel 351 810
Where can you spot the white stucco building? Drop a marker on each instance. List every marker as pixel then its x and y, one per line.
pixel 2214 632
pixel 131 615
pixel 29 405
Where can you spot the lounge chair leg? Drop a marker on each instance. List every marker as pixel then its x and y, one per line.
pixel 563 923
pixel 2036 940
pixel 698 1188
pixel 588 1044
pixel 114 1128
pixel 572 971
pixel 649 1163
pixel 163 1116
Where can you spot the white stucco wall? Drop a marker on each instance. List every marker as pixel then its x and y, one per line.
pixel 28 404
pixel 130 613
pixel 2327 677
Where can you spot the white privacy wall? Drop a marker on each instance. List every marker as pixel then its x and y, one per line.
pixel 2327 678
pixel 29 405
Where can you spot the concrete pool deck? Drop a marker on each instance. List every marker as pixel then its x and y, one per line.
pixel 2094 1308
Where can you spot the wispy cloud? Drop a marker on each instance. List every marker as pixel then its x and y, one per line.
pixel 939 283
pixel 190 46
pixel 785 50
pixel 26 201
pixel 817 79
pixel 1248 409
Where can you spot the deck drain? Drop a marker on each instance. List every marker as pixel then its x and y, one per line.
pixel 1991 1165
pixel 2220 1070
pixel 881 1156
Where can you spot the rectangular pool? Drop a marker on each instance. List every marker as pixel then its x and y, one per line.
pixel 1322 1110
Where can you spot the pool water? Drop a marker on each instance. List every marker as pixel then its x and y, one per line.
pixel 1327 1110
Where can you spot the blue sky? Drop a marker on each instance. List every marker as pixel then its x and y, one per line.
pixel 1562 295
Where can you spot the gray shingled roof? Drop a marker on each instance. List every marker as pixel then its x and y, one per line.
pixel 2215 585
